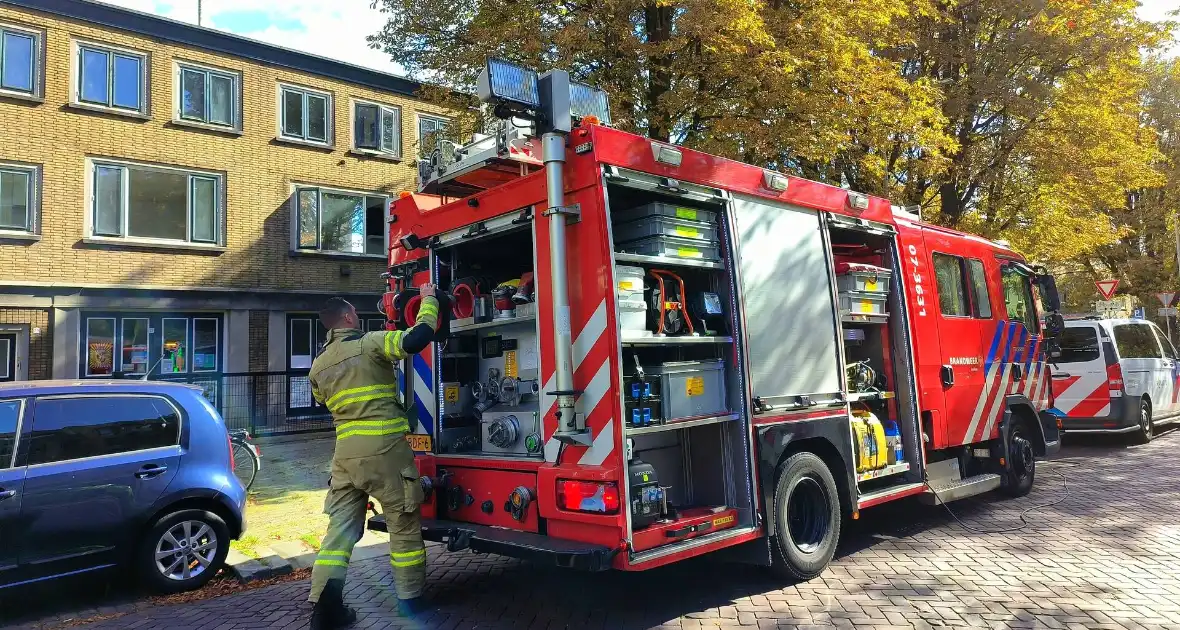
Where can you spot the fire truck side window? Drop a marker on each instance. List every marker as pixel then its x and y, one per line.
pixel 983 304
pixel 1018 298
pixel 952 294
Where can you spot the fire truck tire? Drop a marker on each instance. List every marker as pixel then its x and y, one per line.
pixel 807 517
pixel 1022 469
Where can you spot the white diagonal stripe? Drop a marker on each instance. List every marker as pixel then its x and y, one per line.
pixel 595 390
pixel 603 444
pixel 422 391
pixel 589 334
pixel 1001 393
pixel 987 386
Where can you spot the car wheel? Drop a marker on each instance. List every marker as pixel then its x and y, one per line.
pixel 807 517
pixel 183 550
pixel 1146 427
pixel 1022 464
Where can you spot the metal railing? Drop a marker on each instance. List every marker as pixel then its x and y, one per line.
pixel 264 403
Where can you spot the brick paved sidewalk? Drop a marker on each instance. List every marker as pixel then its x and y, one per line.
pixel 1108 556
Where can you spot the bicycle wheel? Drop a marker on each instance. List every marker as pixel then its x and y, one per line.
pixel 245 467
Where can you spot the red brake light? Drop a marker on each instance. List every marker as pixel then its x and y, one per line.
pixel 588 496
pixel 1115 375
pixel 230 443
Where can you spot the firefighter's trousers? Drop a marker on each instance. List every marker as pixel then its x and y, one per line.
pixel 391 478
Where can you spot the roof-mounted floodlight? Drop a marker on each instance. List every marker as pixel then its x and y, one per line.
pixel 588 101
pixel 508 86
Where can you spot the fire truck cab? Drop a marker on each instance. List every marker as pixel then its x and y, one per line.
pixel 654 353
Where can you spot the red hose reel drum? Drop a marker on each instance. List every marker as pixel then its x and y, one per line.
pixel 411 310
pixel 464 304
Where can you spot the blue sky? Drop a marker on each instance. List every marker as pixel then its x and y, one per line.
pixel 337 28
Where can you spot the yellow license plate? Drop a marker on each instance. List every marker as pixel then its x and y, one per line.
pixel 419 442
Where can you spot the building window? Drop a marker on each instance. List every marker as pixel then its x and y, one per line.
pixel 429 125
pixel 207 96
pixel 18 60
pixel 340 222
pixel 377 128
pixel 19 187
pixel 205 345
pixel 174 346
pixel 111 78
pixel 100 346
pixel 305 115
pixel 135 346
pixel 145 202
pixel 305 338
pixel 374 325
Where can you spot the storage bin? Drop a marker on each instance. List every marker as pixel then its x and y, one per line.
pixel 629 283
pixel 671 247
pixel 665 226
pixel 659 208
pixel 863 303
pixel 863 278
pixel 690 388
pixel 633 318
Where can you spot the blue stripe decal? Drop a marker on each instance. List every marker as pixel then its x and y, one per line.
pixel 422 371
pixel 991 354
pixel 1011 350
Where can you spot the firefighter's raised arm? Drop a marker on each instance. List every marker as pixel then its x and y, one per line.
pixel 395 345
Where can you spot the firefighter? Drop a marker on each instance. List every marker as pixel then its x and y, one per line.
pixel 354 378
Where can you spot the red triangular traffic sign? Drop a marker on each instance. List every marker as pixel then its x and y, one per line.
pixel 1107 287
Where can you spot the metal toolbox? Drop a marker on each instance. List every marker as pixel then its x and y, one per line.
pixel 862 278
pixel 862 302
pixel 690 388
pixel 672 247
pixel 659 225
pixel 659 208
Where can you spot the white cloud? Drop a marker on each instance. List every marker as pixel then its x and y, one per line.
pixel 335 29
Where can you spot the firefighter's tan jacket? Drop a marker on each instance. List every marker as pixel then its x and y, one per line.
pixel 353 377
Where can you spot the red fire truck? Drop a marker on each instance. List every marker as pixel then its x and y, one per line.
pixel 654 353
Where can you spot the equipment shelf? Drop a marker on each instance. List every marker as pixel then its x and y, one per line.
pixel 856 396
pixel 864 318
pixel 495 322
pixel 667 261
pixel 671 341
pixel 682 424
pixel 899 467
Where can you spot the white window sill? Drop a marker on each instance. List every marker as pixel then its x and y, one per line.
pixel 114 111
pixel 344 255
pixel 305 143
pixel 19 235
pixel 377 155
pixel 154 244
pixel 22 96
pixel 195 124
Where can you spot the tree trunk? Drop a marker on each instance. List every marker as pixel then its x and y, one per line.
pixel 657 22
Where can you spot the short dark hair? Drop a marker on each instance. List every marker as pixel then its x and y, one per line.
pixel 334 310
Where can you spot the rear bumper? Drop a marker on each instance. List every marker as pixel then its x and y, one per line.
pixel 535 548
pixel 1123 418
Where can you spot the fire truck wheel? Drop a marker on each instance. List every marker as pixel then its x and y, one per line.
pixel 807 517
pixel 1018 480
pixel 1146 428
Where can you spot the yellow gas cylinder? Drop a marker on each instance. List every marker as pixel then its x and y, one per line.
pixel 878 445
pixel 860 440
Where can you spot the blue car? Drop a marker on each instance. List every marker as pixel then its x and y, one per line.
pixel 101 474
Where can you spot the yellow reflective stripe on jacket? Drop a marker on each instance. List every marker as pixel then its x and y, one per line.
pixel 328 558
pixel 408 558
pixel 357 399
pixel 358 390
pixel 372 427
pixel 393 344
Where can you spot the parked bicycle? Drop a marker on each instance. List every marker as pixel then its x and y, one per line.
pixel 246 457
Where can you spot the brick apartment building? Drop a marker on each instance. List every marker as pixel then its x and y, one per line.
pixel 179 200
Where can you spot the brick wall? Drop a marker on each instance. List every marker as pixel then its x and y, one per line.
pixel 40 359
pixel 259 341
pixel 259 171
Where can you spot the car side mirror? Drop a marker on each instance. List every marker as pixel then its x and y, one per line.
pixel 1049 295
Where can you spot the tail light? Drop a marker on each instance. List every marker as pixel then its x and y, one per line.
pixel 230 451
pixel 1115 379
pixel 588 496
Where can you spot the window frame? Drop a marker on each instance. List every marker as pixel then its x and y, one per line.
pixel 122 335
pixel 77 72
pixel 4 361
pixel 37 61
pixel 180 425
pixel 298 248
pixel 216 345
pixel 329 116
pixel 236 109
pixel 187 343
pixel 22 405
pixel 33 200
pixel 395 153
pixel 422 117
pixel 86 345
pixel 94 164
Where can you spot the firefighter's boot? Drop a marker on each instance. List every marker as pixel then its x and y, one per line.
pixel 410 608
pixel 330 612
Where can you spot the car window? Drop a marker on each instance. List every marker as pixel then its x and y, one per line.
pixel 1079 345
pixel 1018 298
pixel 9 426
pixel 983 303
pixel 91 426
pixel 1136 341
pixel 1165 343
pixel 952 295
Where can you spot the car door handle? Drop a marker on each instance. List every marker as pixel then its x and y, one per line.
pixel 1061 375
pixel 151 470
pixel 7 494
